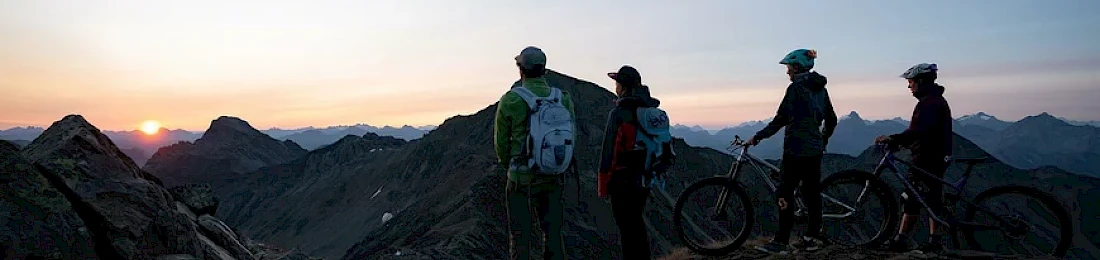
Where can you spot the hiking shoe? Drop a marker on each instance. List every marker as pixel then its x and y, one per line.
pixel 774 247
pixel 897 244
pixel 934 245
pixel 812 243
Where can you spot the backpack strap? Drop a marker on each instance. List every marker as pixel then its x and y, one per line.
pixel 638 122
pixel 555 94
pixel 527 96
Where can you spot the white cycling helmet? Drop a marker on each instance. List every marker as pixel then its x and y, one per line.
pixel 919 69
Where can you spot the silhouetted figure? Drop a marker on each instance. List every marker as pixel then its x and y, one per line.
pixel 636 149
pixel 535 154
pixel 804 108
pixel 929 140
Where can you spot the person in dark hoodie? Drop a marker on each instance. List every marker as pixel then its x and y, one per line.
pixel 804 108
pixel 620 176
pixel 929 140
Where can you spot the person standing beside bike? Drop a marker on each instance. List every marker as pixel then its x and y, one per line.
pixel 805 106
pixel 929 140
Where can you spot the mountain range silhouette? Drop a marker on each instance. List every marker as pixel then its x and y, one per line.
pixel 1030 143
pixel 442 190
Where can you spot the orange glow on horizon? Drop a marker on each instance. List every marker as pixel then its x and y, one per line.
pixel 150 127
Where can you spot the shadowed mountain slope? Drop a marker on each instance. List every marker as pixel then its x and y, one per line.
pixel 229 146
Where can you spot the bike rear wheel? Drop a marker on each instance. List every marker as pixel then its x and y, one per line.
pixel 713 216
pixel 858 209
pixel 1017 232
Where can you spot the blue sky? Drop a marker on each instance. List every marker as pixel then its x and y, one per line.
pixel 712 63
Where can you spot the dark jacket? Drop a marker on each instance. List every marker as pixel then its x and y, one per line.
pixel 803 109
pixel 929 132
pixel 619 153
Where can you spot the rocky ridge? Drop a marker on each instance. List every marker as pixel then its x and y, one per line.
pixel 72 194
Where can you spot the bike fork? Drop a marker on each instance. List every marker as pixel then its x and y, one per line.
pixel 720 208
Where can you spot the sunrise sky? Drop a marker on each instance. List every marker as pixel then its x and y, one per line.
pixel 712 63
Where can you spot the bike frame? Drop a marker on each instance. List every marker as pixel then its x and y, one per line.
pixel 890 162
pixel 744 157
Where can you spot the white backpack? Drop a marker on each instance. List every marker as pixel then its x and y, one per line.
pixel 655 135
pixel 551 133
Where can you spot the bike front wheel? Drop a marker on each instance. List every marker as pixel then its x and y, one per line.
pixel 1010 228
pixel 713 216
pixel 858 209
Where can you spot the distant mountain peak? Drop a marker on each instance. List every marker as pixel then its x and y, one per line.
pixel 695 128
pixel 979 116
pixel 66 128
pixel 26 128
pixel 74 120
pixel 852 116
pixel 346 139
pixel 230 145
pixel 231 123
pixel 228 129
pixel 753 123
pixel 1043 118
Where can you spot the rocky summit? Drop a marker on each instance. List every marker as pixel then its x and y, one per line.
pixel 53 229
pixel 72 194
pixel 229 146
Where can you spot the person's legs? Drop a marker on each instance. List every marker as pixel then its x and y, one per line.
pixel 549 210
pixel 628 207
pixel 639 236
pixel 519 221
pixel 910 213
pixel 810 174
pixel 811 193
pixel 933 195
pixel 931 191
pixel 790 174
pixel 789 171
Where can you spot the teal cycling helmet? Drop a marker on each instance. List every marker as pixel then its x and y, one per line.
pixel 802 57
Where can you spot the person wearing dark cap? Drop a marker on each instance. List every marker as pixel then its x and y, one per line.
pixel 622 175
pixel 803 111
pixel 528 188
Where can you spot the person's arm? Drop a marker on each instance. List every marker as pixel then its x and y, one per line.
pixel 923 119
pixel 607 151
pixel 830 119
pixel 502 130
pixel 782 115
pixel 568 102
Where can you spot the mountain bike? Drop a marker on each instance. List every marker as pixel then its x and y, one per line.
pixel 733 202
pixel 1014 226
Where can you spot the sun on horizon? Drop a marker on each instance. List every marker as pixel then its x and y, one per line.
pixel 150 127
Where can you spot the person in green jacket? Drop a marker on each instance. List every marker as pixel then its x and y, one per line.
pixel 526 191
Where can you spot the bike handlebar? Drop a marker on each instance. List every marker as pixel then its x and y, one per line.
pixel 738 143
pixel 888 147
